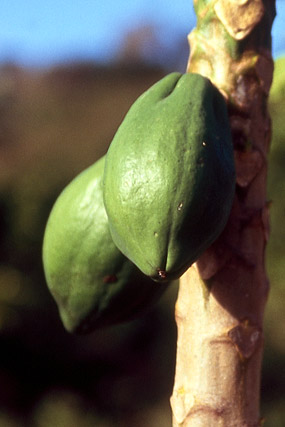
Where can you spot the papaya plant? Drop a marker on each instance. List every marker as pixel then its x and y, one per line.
pixel 184 191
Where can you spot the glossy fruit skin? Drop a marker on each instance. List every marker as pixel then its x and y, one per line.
pixel 169 177
pixel 93 284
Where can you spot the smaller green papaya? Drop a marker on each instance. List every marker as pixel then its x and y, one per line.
pixel 169 177
pixel 93 284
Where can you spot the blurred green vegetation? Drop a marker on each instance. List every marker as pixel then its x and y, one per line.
pixel 273 390
pixel 53 124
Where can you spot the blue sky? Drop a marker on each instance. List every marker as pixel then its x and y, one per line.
pixel 44 32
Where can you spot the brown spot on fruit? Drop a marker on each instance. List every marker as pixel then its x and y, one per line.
pixel 112 278
pixel 162 274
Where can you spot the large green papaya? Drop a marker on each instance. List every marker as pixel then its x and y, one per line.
pixel 92 283
pixel 169 176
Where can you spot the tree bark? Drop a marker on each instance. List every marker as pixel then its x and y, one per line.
pixel 221 300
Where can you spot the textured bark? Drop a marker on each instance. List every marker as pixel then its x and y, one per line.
pixel 221 301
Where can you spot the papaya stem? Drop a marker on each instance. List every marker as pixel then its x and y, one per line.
pixel 221 300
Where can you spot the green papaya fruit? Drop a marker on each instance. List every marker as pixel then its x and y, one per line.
pixel 169 176
pixel 91 281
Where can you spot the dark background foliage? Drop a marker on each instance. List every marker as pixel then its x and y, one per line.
pixel 53 124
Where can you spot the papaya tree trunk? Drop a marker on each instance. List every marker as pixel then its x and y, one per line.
pixel 221 300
